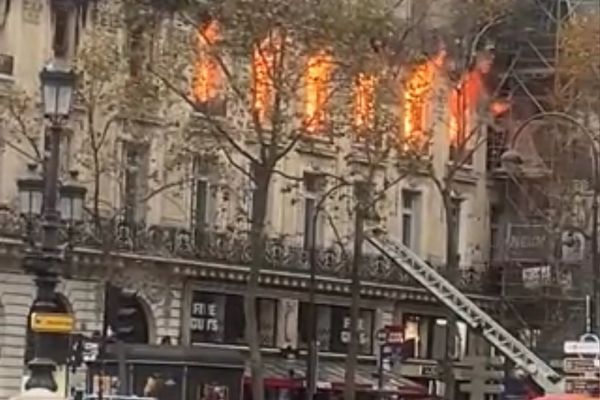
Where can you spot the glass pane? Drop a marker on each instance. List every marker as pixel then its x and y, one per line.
pixel 267 321
pixel 365 326
pixel 461 340
pixel 64 101
pixel 66 209
pixel 324 322
pixel 309 209
pixel 235 321
pixel 77 209
pixel 49 99
pixel 25 201
pixel 407 200
pixel 407 230
pixel 207 317
pixel 36 202
pixel 438 348
pixel 201 204
pixel 411 336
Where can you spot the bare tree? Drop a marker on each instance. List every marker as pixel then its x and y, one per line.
pixel 279 68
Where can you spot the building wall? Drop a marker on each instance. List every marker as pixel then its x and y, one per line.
pixel 85 300
pixel 31 19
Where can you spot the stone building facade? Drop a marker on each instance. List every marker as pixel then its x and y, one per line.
pixel 184 285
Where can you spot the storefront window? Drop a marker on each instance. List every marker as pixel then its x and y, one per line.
pixel 219 318
pixel 425 337
pixel 267 321
pixel 333 323
pixel 416 335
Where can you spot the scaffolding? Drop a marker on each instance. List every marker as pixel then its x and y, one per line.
pixel 543 293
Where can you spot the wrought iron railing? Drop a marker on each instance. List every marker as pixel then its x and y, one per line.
pixel 229 248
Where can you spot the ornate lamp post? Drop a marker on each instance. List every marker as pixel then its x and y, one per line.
pixel 44 261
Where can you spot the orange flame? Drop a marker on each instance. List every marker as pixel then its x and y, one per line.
pixel 416 95
pixel 318 75
pixel 207 75
pixel 467 96
pixel 264 60
pixel 364 100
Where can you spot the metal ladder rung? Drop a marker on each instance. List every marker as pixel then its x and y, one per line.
pixel 437 285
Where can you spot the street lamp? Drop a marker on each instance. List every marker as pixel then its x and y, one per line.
pixel 511 159
pixel 58 83
pixel 44 261
pixel 31 193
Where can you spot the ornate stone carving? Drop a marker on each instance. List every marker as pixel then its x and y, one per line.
pixel 32 10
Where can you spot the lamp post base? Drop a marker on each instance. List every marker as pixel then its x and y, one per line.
pixel 41 377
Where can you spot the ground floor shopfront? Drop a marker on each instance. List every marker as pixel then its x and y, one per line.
pixel 198 305
pixel 212 373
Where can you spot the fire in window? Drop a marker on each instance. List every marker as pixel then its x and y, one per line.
pixel 265 62
pixel 417 93
pixel 318 75
pixel 364 101
pixel 207 73
pixel 466 98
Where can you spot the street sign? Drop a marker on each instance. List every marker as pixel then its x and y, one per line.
pixel 429 371
pixel 390 335
pixel 395 335
pixel 52 323
pixel 576 385
pixel 90 351
pixel 582 348
pixel 580 365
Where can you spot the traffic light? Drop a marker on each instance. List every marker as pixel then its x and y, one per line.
pixel 124 315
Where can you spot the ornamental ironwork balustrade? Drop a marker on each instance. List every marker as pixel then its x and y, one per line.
pixel 228 248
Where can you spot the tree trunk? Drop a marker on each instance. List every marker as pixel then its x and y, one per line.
pixel 451 275
pixel 258 243
pixel 359 226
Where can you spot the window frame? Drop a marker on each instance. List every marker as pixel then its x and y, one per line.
pixel 136 212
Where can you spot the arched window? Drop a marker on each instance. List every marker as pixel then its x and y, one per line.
pixel 61 342
pixel 127 316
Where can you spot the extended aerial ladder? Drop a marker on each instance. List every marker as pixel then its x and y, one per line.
pixel 548 379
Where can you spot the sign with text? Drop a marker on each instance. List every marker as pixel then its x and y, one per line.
pixel 52 323
pixel 207 315
pixel 581 365
pixel 527 242
pixel 340 330
pixel 345 333
pixel 582 385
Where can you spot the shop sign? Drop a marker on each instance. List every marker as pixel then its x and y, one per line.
pixel 363 337
pixel 527 242
pixel 207 315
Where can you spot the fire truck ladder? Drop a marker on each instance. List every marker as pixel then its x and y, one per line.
pixel 523 357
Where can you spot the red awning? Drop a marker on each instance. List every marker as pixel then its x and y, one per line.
pixel 289 374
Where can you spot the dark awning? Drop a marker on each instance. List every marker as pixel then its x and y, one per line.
pixel 213 357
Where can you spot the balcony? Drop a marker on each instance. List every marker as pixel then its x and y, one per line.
pixel 229 248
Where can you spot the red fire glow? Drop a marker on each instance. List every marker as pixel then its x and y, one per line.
pixel 264 64
pixel 467 96
pixel 364 100
pixel 318 75
pixel 417 91
pixel 207 75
